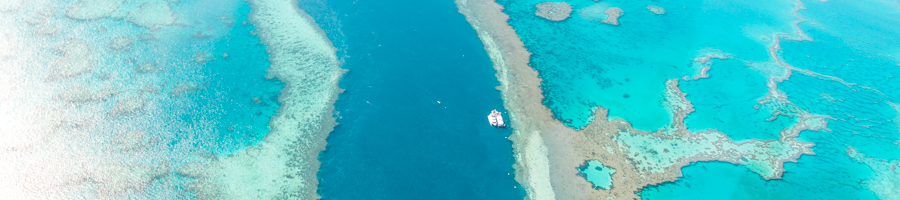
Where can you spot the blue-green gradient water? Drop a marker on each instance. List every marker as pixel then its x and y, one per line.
pixel 234 91
pixel 413 116
pixel 585 63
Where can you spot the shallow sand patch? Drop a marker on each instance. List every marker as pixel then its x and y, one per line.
pixel 26 130
pixel 152 15
pixel 553 11
pixel 6 46
pixel 93 9
pixel 75 61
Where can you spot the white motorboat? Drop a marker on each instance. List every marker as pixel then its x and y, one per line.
pixel 496 119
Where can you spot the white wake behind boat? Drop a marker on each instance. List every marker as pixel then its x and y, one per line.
pixel 496 119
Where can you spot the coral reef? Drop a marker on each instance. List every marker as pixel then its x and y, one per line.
pixel 146 67
pixel 656 9
pixel 548 153
pixel 120 43
pixel 117 179
pixel 10 5
pixel 613 15
pixel 152 15
pixel 84 95
pixel 553 11
pixel 886 179
pixel 127 106
pixel 93 9
pixel 75 61
pixel 129 140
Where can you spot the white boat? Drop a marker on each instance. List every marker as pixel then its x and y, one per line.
pixel 496 119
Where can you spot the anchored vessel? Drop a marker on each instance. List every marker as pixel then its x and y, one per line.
pixel 495 119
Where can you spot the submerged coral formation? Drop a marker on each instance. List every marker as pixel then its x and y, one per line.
pixel 93 9
pixel 886 179
pixel 130 140
pixel 546 156
pixel 83 95
pixel 553 11
pixel 146 67
pixel 120 43
pixel 284 165
pixel 75 61
pixel 128 106
pixel 117 179
pixel 656 9
pixel 153 15
pixel 10 5
pixel 613 14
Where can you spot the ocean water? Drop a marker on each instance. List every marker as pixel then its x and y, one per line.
pixel 413 116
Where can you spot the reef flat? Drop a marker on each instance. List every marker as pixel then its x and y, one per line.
pixel 548 153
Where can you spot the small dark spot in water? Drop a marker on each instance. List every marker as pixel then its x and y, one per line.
pixel 626 80
pixel 289 176
pixel 620 83
pixel 626 95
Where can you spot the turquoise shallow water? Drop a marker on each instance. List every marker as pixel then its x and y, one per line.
pixel 228 89
pixel 585 64
pixel 864 119
pixel 598 174
pixel 624 68
pixel 726 100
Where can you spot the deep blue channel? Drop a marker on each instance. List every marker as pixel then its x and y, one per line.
pixel 395 141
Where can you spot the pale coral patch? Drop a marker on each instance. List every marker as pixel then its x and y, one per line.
pixel 75 61
pixel 153 15
pixel 93 9
pixel 553 11
pixel 10 5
